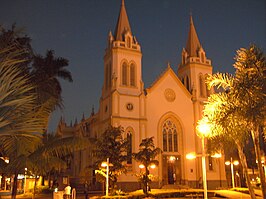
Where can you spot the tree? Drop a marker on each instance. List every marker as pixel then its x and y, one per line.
pixel 25 109
pixel 51 153
pixel 45 73
pixel 19 126
pixel 241 108
pixel 112 145
pixel 146 156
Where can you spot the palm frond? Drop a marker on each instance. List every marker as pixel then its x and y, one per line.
pixel 220 80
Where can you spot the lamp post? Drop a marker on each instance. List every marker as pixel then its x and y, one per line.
pixel 263 165
pixel 25 177
pixel 106 164
pixel 203 129
pixel 142 166
pixel 232 163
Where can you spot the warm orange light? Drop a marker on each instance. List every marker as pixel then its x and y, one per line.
pixel 172 158
pixel 153 166
pixel 191 156
pixel 227 163
pixel 104 164
pixel 236 162
pixel 141 166
pixel 217 155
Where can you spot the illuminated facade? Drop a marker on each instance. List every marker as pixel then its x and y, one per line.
pixel 168 110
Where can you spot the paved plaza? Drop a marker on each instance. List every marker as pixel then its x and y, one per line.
pixel 217 194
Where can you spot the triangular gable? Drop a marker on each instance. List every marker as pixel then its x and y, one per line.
pixel 164 74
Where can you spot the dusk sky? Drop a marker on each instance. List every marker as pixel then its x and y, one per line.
pixel 78 30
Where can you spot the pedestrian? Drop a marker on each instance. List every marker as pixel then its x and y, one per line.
pixel 86 190
pixel 68 191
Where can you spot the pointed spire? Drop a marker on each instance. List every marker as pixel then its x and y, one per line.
pixel 92 111
pixel 122 23
pixel 168 65
pixel 76 122
pixel 83 117
pixel 193 43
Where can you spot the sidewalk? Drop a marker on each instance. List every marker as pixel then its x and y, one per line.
pixel 233 194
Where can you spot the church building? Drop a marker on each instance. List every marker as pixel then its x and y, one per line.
pixel 167 110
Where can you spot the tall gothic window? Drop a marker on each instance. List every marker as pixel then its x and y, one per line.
pixel 170 137
pixel 129 151
pixel 208 92
pixel 202 86
pixel 132 75
pixel 124 74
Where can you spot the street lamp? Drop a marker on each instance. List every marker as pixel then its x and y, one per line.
pixel 232 163
pixel 107 165
pixel 142 166
pixel 203 130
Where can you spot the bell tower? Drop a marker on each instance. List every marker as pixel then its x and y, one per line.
pixel 122 71
pixel 195 66
pixel 193 71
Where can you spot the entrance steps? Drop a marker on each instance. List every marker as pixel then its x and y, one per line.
pixel 175 186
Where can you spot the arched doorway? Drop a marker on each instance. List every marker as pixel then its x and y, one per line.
pixel 171 133
pixel 172 169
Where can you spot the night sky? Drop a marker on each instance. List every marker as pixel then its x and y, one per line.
pixel 78 30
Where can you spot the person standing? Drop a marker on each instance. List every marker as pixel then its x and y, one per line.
pixel 86 190
pixel 68 192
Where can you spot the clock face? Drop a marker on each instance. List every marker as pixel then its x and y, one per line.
pixel 129 106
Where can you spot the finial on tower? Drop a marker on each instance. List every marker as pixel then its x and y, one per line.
pixel 122 25
pixel 168 65
pixel 193 43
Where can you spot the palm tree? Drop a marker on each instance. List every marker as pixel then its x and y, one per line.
pixel 241 108
pixel 51 152
pixel 45 72
pixel 19 125
pixel 146 156
pixel 27 98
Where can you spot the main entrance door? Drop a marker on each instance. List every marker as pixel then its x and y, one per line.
pixel 172 169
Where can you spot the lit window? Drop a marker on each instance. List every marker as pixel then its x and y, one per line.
pixel 170 137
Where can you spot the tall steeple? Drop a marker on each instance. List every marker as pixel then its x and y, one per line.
pixel 122 70
pixel 193 44
pixel 122 25
pixel 194 62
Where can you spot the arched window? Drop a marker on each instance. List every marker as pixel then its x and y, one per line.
pixel 202 86
pixel 170 137
pixel 202 57
pixel 132 75
pixel 128 41
pixel 208 92
pixel 124 74
pixel 129 151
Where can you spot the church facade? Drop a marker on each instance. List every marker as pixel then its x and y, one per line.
pixel 168 110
